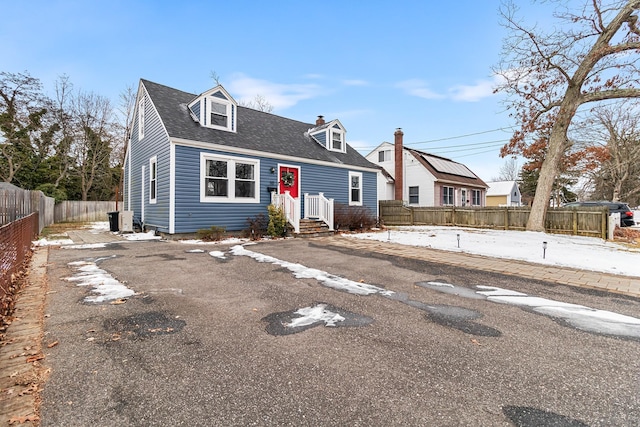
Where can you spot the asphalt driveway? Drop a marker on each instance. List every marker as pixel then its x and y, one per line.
pixel 213 338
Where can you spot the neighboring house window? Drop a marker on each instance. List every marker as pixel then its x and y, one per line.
pixel 141 119
pixel 355 188
pixel 153 179
pixel 447 195
pixel 475 197
pixel 414 195
pixel 336 141
pixel 229 179
pixel 384 156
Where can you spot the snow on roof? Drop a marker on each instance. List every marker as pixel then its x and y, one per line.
pixel 500 188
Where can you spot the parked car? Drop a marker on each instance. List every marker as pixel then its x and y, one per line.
pixel 626 214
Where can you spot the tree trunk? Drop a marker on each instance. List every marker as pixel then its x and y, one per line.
pixel 549 172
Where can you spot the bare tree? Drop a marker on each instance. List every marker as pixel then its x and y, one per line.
pixel 550 76
pixel 259 103
pixel 215 77
pixel 612 163
pixel 509 171
pixel 124 124
pixel 61 111
pixel 93 138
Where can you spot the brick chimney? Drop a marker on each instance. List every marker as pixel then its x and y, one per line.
pixel 399 185
pixel 320 121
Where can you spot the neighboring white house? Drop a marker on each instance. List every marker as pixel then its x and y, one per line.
pixel 503 193
pixel 423 179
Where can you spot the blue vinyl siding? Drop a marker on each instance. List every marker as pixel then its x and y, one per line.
pixel 154 143
pixel 195 109
pixel 334 183
pixel 192 215
pixel 220 95
pixel 321 138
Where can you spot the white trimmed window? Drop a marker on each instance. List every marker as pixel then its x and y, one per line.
pixel 337 143
pixel 141 119
pixel 153 180
pixel 226 179
pixel 219 114
pixel 475 197
pixel 447 195
pixel 384 156
pixel 414 195
pixel 355 188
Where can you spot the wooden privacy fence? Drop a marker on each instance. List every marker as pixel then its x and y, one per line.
pixel 16 203
pixel 581 221
pixel 77 211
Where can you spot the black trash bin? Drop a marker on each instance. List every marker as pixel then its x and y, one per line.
pixel 113 221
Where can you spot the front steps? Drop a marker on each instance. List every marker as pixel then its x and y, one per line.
pixel 313 228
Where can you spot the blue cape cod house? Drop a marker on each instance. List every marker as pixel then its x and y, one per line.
pixel 194 161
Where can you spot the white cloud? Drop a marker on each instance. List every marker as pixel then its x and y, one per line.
pixel 355 82
pixel 417 87
pixel 466 93
pixel 473 93
pixel 280 96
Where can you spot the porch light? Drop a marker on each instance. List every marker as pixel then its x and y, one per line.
pixel 273 170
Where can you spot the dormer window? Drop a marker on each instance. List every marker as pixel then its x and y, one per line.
pixel 215 109
pixel 336 140
pixel 330 135
pixel 219 114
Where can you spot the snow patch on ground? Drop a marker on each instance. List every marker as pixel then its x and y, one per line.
pixel 52 242
pixel 217 254
pixel 149 235
pixel 579 316
pixel 588 253
pixel 311 315
pixel 229 241
pixel 86 246
pixel 103 284
pixel 302 272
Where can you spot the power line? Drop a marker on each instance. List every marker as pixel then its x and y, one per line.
pixel 466 145
pixel 466 149
pixel 475 154
pixel 371 147
pixel 459 136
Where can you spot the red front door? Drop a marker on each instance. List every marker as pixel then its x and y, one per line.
pixel 289 180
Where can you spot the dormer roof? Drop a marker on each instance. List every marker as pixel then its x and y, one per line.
pixel 254 130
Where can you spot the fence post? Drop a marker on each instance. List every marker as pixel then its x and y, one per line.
pixel 574 222
pixel 506 218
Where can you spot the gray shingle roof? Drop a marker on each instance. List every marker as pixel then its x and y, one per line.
pixel 256 130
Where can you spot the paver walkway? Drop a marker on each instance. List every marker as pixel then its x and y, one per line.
pixel 563 275
pixel 21 373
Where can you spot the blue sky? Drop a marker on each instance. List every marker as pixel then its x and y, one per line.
pixel 376 65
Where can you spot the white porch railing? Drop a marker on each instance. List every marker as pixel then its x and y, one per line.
pixel 290 207
pixel 319 207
